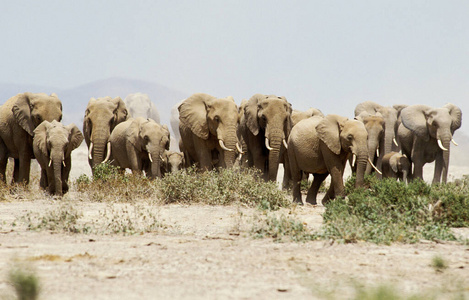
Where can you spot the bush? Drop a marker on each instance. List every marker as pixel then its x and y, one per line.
pixel 282 227
pixel 390 211
pixel 25 282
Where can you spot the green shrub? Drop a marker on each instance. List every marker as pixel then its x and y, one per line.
pixel 222 187
pixel 391 211
pixel 25 283
pixel 280 227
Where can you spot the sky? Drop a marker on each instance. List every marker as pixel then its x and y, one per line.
pixel 330 55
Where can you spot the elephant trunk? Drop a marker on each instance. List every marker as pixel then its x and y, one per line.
pixel 229 140
pixel 57 159
pixel 362 161
pixel 154 157
pixel 100 143
pixel 372 148
pixel 444 142
pixel 275 140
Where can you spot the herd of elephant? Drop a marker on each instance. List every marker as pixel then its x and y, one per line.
pixel 262 132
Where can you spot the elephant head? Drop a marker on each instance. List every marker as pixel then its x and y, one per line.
pixel 31 109
pixel 269 117
pixel 53 144
pixel 344 137
pixel 172 162
pixel 375 126
pixel 434 124
pixel 150 140
pixel 215 121
pixel 297 115
pixel 140 105
pixel 101 116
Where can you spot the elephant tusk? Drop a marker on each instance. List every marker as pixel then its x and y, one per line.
pixel 239 149
pixel 149 156
pixel 395 142
pixel 267 144
pixel 285 144
pixel 50 162
pixel 456 144
pixel 441 145
pixel 108 152
pixel 377 152
pixel 90 151
pixel 354 158
pixel 374 167
pixel 63 163
pixel 222 145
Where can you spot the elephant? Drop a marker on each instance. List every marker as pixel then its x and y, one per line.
pixel 391 120
pixel 267 123
pixel 321 146
pixel 208 127
pixel 53 144
pixel 139 144
pixel 140 105
pixel 172 161
pixel 19 116
pixel 296 117
pixel 425 135
pixel 375 126
pixel 396 165
pixel 101 116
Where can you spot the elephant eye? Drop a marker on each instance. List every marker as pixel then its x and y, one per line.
pixel 349 137
pixel 146 138
pixel 217 118
pixel 264 118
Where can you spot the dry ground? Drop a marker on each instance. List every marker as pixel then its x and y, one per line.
pixel 208 252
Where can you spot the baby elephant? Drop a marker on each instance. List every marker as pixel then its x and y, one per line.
pixel 396 165
pixel 138 144
pixel 172 162
pixel 52 145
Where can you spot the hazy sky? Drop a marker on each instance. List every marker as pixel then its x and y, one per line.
pixel 325 54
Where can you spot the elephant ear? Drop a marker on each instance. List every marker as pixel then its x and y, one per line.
pixel 22 112
pixel 133 133
pixel 250 113
pixel 414 118
pixel 193 114
pixel 40 137
pixel 367 106
pixel 456 114
pixel 75 138
pixel 329 131
pixel 393 162
pixel 120 112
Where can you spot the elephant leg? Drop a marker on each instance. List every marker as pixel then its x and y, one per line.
pixel 66 174
pixel 286 172
pixel 3 160
pixel 314 188
pixel 330 194
pixel 16 171
pixel 25 168
pixel 439 165
pixel 43 182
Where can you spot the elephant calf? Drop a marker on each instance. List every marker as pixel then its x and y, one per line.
pixel 396 165
pixel 53 144
pixel 172 162
pixel 138 144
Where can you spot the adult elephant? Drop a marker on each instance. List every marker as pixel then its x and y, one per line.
pixel 140 105
pixel 375 126
pixel 267 119
pixel 425 135
pixel 101 116
pixel 19 116
pixel 53 144
pixel 321 146
pixel 139 144
pixel 208 128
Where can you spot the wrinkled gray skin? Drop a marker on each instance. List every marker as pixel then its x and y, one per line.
pixel 140 105
pixel 172 162
pixel 396 165
pixel 208 129
pixel 267 121
pixel 101 116
pixel 391 116
pixel 19 116
pixel 375 126
pixel 139 144
pixel 422 126
pixel 321 146
pixel 296 117
pixel 53 144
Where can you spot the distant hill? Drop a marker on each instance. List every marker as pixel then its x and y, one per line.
pixel 75 99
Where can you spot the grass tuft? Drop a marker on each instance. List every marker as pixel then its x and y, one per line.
pixel 25 283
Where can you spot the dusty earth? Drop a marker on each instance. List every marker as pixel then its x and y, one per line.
pixel 208 252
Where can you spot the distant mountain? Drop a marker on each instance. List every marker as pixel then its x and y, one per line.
pixel 74 100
